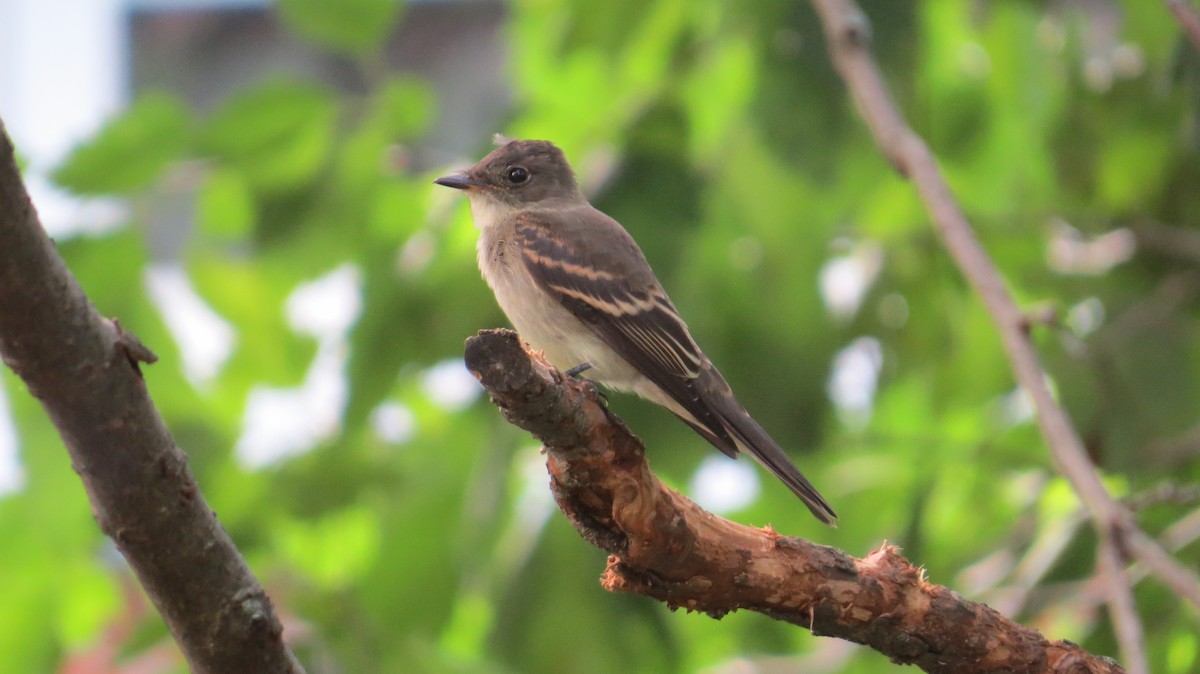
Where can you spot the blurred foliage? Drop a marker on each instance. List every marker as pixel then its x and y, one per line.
pixel 415 533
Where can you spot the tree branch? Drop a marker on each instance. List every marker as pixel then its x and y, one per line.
pixel 848 33
pixel 666 547
pixel 84 370
pixel 1110 569
pixel 1188 19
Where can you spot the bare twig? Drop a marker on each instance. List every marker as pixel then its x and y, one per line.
pixel 1038 560
pixel 1184 532
pixel 1110 568
pixel 1182 448
pixel 84 370
pixel 1187 18
pixel 1088 594
pixel 1174 242
pixel 666 547
pixel 1162 565
pixel 1164 492
pixel 1044 551
pixel 848 32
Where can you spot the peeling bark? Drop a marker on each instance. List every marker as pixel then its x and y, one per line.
pixel 664 546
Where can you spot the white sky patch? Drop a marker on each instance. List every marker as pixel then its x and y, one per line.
pixel 394 423
pixel 532 509
pixel 12 473
pixel 1085 317
pixel 854 379
pixel 327 307
pixel 205 339
pixel 845 280
pixel 416 253
pixel 534 503
pixel 1016 407
pixel 450 386
pixel 1071 252
pixel 62 73
pixel 722 486
pixel 65 215
pixel 281 423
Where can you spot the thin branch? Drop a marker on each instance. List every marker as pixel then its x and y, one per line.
pixel 1044 551
pixel 1039 559
pixel 84 370
pixel 1165 492
pixel 848 32
pixel 1177 449
pixel 1162 565
pixel 1122 609
pixel 1088 594
pixel 1174 242
pixel 1183 532
pixel 666 547
pixel 1187 18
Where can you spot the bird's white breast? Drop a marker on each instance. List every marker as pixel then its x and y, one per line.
pixel 539 318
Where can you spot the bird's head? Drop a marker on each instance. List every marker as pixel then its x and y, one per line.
pixel 520 173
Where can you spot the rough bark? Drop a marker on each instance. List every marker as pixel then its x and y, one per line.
pixel 666 547
pixel 84 369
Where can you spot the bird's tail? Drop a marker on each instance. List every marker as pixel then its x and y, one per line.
pixel 752 439
pixel 712 411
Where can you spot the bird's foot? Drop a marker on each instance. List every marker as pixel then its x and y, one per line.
pixel 589 385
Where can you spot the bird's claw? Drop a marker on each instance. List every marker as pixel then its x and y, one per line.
pixel 578 370
pixel 587 384
pixel 590 386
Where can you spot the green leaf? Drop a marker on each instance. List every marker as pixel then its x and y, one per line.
pixel 404 107
pixel 353 26
pixel 89 597
pixel 131 151
pixel 333 550
pixel 279 134
pixel 1132 167
pixel 225 206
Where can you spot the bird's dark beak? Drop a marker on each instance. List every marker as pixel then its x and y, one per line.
pixel 459 181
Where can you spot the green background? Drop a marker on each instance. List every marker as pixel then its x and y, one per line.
pixel 718 133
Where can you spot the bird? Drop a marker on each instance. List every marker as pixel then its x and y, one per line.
pixel 577 287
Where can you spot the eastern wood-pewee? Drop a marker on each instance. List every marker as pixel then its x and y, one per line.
pixel 577 287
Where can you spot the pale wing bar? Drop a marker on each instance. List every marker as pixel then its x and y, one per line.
pixel 644 319
pixel 643 327
pixel 632 319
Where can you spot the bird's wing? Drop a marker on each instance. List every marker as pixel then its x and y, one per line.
pixel 586 261
pixel 593 267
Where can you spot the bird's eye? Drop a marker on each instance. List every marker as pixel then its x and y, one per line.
pixel 518 175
